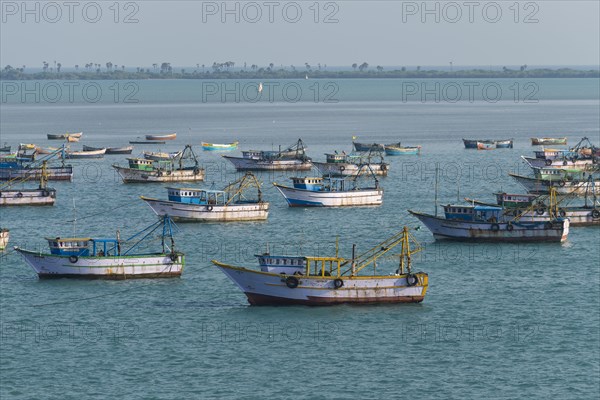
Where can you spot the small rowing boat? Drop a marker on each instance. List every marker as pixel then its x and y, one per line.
pixel 111 150
pixel 219 147
pixel 85 154
pixel 395 150
pixel 486 145
pixel 167 136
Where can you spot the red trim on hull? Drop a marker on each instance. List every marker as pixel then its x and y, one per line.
pixel 265 300
pixel 118 277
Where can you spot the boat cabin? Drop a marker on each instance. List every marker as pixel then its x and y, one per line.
pixel 472 213
pixel 198 196
pixel 550 153
pixel 557 174
pixel 308 183
pixel 81 247
pixel 141 164
pixel 252 154
pixel 281 264
pixel 333 158
pixel 515 200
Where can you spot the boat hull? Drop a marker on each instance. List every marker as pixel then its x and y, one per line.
pixel 535 162
pixel 120 267
pixel 548 141
pixel 56 137
pixel 53 173
pixel 249 164
pixel 28 197
pixel 442 228
pixel 217 146
pixel 209 213
pixel 130 175
pixel 368 147
pixel 400 151
pixel 539 186
pixel 85 154
pixel 171 136
pixel 308 198
pixel 111 150
pixel 578 216
pixel 262 288
pixel 347 169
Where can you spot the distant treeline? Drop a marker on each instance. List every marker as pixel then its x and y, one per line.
pixel 10 73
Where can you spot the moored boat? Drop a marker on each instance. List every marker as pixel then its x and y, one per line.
pixel 343 164
pixel 140 170
pixel 476 223
pixel 92 258
pixel 548 141
pixel 158 156
pixel 218 146
pixel 369 146
pixel 72 139
pixel 12 168
pixel 330 192
pixel 334 280
pixel 111 150
pixel 543 186
pixel 167 136
pixel 206 205
pixel 147 142
pixel 486 145
pixel 42 196
pixel 4 236
pixel 5 149
pixel 395 150
pixel 504 143
pixel 291 159
pixel 60 136
pixel 582 164
pixel 85 154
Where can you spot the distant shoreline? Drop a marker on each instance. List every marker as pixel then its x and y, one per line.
pixel 16 74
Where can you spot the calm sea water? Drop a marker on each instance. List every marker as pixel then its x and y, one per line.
pixel 499 320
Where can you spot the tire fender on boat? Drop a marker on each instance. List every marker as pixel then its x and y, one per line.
pixel 19 195
pixel 562 213
pixel 595 214
pixel 73 259
pixel 342 168
pixel 411 280
pixel 45 193
pixel 159 173
pixel 196 171
pixel 173 257
pixel 561 183
pixel 495 227
pixel 540 211
pixel 209 208
pixel 338 283
pixel 548 162
pixel 292 282
pixel 383 167
pixel 509 227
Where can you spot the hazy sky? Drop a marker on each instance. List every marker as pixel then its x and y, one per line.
pixel 187 33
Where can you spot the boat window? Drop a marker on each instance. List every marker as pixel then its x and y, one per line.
pixel 284 262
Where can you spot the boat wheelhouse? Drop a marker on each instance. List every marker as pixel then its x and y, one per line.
pixel 276 264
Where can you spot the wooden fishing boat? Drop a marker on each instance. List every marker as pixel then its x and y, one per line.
pixel 147 142
pixel 202 205
pixel 72 139
pixel 4 236
pixel 12 168
pixel 486 146
pixel 580 163
pixel 350 164
pixel 141 170
pixel 5 149
pixel 219 147
pixel 394 150
pixel 111 150
pixel 60 136
pixel 167 136
pixel 504 143
pixel 42 196
pixel 26 146
pixel 334 280
pixel 486 224
pixel 292 158
pixel 330 192
pixel 148 155
pixel 472 143
pixel 548 141
pixel 93 258
pixel 85 154
pixel 369 146
pixel 542 186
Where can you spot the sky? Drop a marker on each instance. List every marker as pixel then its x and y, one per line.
pixel 333 33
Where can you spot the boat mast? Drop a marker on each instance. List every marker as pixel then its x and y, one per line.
pixel 436 188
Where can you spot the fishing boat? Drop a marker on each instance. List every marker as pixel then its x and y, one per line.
pixel 472 143
pixel 85 154
pixel 477 223
pixel 13 168
pixel 42 196
pixel 221 147
pixel 111 150
pixel 292 158
pixel 548 141
pixel 167 136
pixel 206 205
pixel 60 136
pixel 72 139
pixel 394 150
pixel 335 280
pixel 579 163
pixel 559 174
pixel 330 192
pixel 343 164
pixel 4 236
pixel 26 146
pixel 504 144
pixel 147 142
pixel 157 156
pixel 369 146
pixel 486 145
pixel 551 154
pixel 562 186
pixel 5 149
pixel 95 258
pixel 26 153
pixel 140 170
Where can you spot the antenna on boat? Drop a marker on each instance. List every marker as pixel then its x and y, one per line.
pixel 437 165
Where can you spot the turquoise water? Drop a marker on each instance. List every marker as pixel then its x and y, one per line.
pixel 498 321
